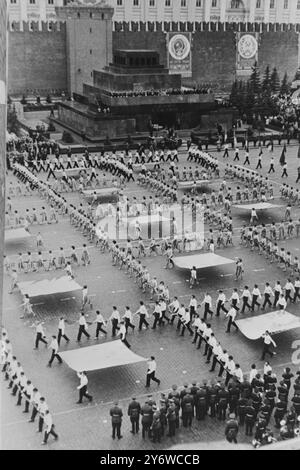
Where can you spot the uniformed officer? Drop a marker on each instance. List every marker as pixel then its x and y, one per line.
pixel 187 406
pixel 171 418
pixel 116 420
pixel 147 417
pixel 201 404
pixel 232 429
pixel 222 400
pixel 249 418
pixel 134 412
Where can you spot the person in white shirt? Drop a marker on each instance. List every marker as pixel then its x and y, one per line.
pixel 151 372
pixel 115 320
pixel 211 343
pixel 238 373
pixel 193 277
pixel 100 322
pixel 256 295
pixel 54 351
pixel 181 314
pixel 83 327
pixel 28 390
pixel 235 299
pixel 174 309
pixel 207 302
pixel 186 323
pixel 297 290
pixel 230 368
pixel 217 352
pixel 268 293
pixel 143 314
pixel 221 301
pixel 267 343
pixel 82 387
pixel 193 306
pixel 231 315
pixel 128 318
pixel 42 408
pixel 123 332
pixel 289 291
pixel 40 334
pixel 35 400
pixel 61 331
pixel 277 293
pixel 157 313
pixel 282 303
pixel 253 373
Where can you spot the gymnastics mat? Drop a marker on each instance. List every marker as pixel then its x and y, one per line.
pixel 258 206
pixel 274 322
pixel 16 234
pixel 206 260
pixel 101 356
pixel 49 287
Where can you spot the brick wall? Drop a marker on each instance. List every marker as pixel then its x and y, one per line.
pixel 37 61
pixel 214 58
pixel 279 50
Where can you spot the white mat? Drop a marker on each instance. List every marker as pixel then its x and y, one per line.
pixel 206 260
pixel 258 206
pixel 16 234
pixel 49 287
pixel 102 356
pixel 275 322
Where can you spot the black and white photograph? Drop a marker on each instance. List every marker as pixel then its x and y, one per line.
pixel 149 228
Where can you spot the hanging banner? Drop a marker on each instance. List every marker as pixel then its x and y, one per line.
pixel 247 52
pixel 180 53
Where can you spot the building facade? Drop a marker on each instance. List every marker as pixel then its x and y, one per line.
pixel 253 11
pixel 33 10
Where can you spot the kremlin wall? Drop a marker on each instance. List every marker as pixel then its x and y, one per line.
pixel 38 55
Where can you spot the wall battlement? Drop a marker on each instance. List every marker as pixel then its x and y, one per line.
pixel 37 26
pixel 203 26
pixel 165 27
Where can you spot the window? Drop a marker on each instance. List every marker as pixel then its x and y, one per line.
pixel 235 4
pixel 151 3
pixel 286 4
pixel 167 3
pixel 298 5
pixel 183 3
pixel 272 4
pixel 214 3
pixel 119 3
pixel 50 2
pixel 91 52
pixel 32 2
pixel 258 3
pixel 13 2
pixel 198 3
pixel 136 3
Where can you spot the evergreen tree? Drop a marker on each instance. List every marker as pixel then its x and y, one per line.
pixel 275 81
pixel 285 86
pixel 234 94
pixel 249 99
pixel 266 84
pixel 255 81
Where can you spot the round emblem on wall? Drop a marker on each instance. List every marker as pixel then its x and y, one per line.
pixel 179 47
pixel 247 46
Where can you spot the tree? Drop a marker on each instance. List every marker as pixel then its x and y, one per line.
pixel 13 124
pixel 234 94
pixel 285 86
pixel 255 81
pixel 266 84
pixel 275 81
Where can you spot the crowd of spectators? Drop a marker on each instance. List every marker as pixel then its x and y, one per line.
pixel 198 90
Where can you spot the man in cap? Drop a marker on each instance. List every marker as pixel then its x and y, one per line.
pixel 134 411
pixel 116 420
